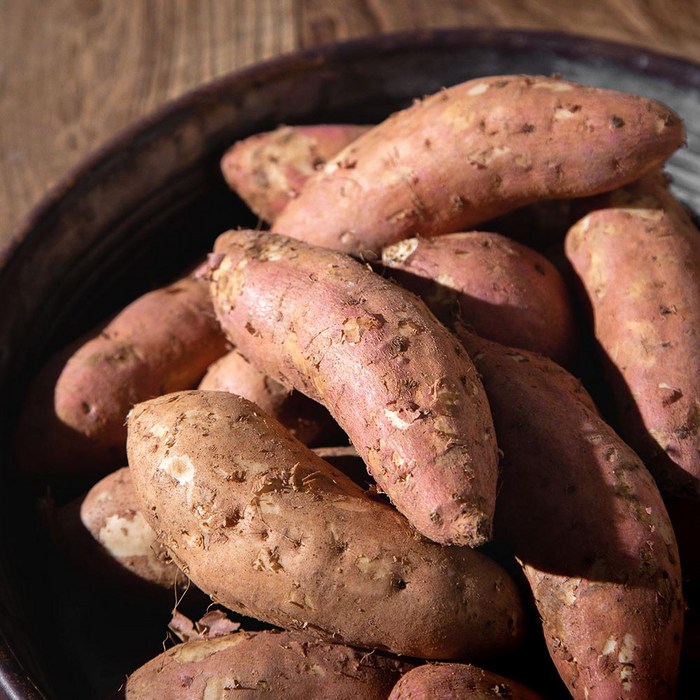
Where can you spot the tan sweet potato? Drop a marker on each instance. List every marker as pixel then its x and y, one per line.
pixel 307 420
pixel 105 535
pixel 73 421
pixel 270 530
pixel 506 291
pixel 395 380
pixel 458 682
pixel 270 664
pixel 638 260
pixel 267 170
pixel 586 520
pixel 474 151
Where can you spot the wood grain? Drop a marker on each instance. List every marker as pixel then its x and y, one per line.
pixel 74 72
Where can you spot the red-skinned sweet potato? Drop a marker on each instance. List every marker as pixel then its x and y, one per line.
pixel 474 151
pixel 73 421
pixel 506 291
pixel 104 535
pixel 587 523
pixel 307 420
pixel 458 682
pixel 638 259
pixel 268 664
pixel 395 379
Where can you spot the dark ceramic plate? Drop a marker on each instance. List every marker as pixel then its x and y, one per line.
pixel 151 199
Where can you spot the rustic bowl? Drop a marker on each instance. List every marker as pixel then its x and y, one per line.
pixel 152 199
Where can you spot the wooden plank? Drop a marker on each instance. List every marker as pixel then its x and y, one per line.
pixel 669 26
pixel 74 72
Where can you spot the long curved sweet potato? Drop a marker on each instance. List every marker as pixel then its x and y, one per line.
pixel 638 259
pixel 270 530
pixel 474 151
pixel 587 522
pixel 395 380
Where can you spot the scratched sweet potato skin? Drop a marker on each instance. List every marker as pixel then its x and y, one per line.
pixel 637 257
pixel 476 150
pixel 270 530
pixel 392 376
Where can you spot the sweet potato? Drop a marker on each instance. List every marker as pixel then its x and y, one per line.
pixel 586 520
pixel 506 291
pixel 395 380
pixel 457 682
pixel 270 530
pixel 267 170
pixel 638 260
pixel 73 422
pixel 307 420
pixel 474 151
pixel 105 535
pixel 269 664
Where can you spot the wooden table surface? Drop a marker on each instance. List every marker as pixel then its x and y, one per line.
pixel 74 72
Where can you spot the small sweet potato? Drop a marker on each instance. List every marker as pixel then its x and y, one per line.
pixel 638 260
pixel 587 522
pixel 458 682
pixel 267 170
pixel 268 664
pixel 105 535
pixel 73 421
pixel 506 291
pixel 307 420
pixel 268 529
pixel 476 150
pixel 391 375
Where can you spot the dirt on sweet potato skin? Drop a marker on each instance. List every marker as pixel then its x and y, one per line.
pixel 227 489
pixel 267 664
pixel 268 170
pixel 503 289
pixel 449 681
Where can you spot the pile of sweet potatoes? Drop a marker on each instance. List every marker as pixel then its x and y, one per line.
pixel 528 416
